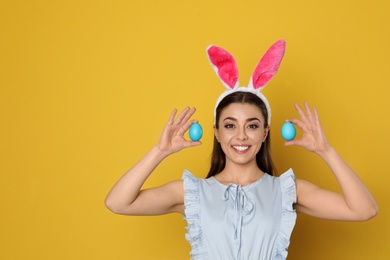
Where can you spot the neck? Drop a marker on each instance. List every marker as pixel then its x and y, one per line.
pixel 241 174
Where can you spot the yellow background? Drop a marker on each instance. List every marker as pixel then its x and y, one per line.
pixel 87 86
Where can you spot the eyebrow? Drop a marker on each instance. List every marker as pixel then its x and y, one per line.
pixel 248 120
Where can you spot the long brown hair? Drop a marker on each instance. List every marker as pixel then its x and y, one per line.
pixel 263 157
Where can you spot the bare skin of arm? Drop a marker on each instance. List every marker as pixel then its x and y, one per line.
pixel 126 197
pixel 355 203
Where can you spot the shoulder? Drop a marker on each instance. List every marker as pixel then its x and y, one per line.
pixel 188 176
pixel 287 178
pixel 287 175
pixel 190 181
pixel 288 187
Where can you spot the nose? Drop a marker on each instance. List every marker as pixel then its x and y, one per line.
pixel 241 134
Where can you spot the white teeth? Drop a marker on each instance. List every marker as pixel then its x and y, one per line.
pixel 241 148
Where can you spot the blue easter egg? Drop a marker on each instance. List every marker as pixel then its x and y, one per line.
pixel 195 132
pixel 288 131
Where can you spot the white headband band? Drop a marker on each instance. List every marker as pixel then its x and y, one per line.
pixel 225 66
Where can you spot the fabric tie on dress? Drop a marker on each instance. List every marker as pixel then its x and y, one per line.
pixel 242 206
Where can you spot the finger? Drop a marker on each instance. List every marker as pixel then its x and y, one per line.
pixel 296 142
pixel 172 116
pixel 186 126
pixel 170 120
pixel 308 112
pixel 317 117
pixel 188 115
pixel 168 126
pixel 185 115
pixel 300 112
pixel 192 144
pixel 296 122
pixel 181 116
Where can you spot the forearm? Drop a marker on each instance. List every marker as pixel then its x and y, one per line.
pixel 356 195
pixel 126 190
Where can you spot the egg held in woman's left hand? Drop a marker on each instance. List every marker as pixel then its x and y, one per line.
pixel 288 131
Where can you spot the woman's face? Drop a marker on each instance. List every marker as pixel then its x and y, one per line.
pixel 241 132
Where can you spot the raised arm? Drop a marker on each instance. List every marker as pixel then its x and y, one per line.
pixel 126 197
pixel 355 203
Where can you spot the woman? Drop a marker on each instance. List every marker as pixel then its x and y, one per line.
pixel 242 211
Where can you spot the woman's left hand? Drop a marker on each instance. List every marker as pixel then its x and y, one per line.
pixel 313 138
pixel 355 203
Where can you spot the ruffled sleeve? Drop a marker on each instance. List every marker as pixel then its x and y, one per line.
pixel 288 189
pixel 194 234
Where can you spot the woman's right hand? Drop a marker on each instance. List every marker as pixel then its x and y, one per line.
pixel 172 139
pixel 126 197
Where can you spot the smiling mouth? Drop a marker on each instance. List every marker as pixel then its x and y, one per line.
pixel 241 148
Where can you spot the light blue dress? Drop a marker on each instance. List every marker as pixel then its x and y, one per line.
pixel 227 222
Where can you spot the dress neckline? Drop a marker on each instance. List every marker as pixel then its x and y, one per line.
pixel 234 184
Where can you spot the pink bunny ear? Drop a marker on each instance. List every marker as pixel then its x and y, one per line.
pixel 268 65
pixel 224 65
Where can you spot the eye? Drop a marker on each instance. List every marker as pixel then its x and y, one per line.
pixel 253 126
pixel 229 126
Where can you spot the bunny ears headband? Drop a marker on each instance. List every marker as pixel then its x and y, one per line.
pixel 225 66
